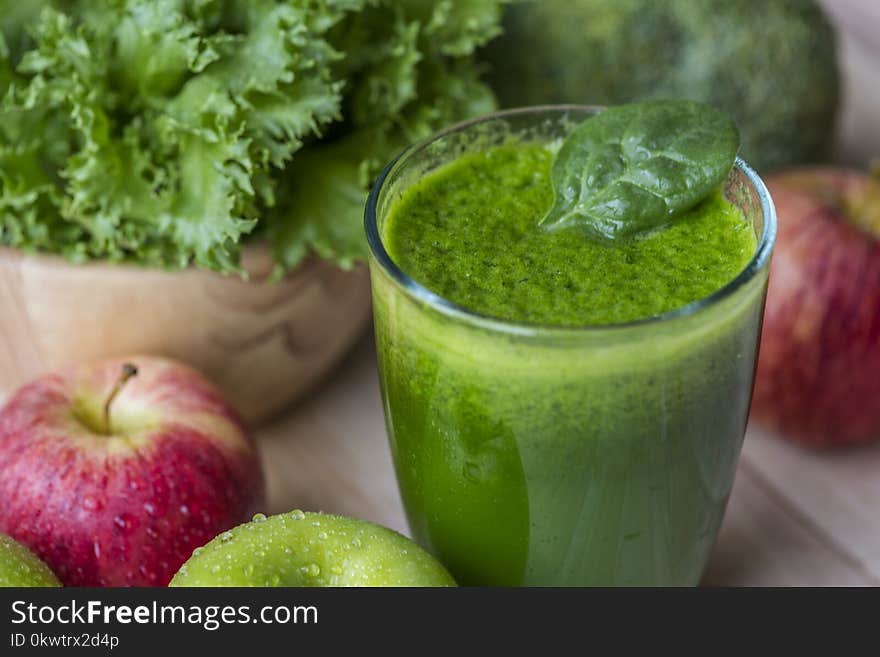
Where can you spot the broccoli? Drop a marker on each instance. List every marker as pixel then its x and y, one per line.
pixel 771 66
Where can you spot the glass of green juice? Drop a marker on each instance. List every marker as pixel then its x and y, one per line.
pixel 560 411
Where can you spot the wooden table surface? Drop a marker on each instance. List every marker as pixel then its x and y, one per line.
pixel 796 517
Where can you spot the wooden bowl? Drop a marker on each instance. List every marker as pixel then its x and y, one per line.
pixel 263 343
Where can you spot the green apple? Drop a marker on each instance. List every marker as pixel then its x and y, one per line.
pixel 21 567
pixel 311 549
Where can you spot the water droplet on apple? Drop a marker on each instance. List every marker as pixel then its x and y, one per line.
pixel 249 570
pixel 215 568
pixel 197 552
pixel 259 517
pixel 322 536
pixel 91 503
pixel 356 542
pixel 96 548
pixel 296 514
pixel 312 570
pixel 287 550
pixel 184 509
pixel 226 536
pixel 152 533
pixel 125 522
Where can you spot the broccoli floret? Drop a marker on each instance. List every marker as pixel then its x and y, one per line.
pixel 771 65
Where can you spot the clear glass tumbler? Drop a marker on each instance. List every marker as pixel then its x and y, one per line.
pixel 542 455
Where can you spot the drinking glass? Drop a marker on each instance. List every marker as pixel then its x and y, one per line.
pixel 546 455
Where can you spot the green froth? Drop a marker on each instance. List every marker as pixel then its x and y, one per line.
pixel 469 232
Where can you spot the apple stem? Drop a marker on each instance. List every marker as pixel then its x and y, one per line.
pixel 128 371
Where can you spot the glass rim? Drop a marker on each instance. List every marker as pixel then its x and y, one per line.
pixel 446 307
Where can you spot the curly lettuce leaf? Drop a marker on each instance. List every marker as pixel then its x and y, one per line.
pixel 153 127
pixel 322 205
pixel 166 131
pixel 412 75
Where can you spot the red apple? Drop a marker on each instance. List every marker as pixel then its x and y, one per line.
pixel 818 379
pixel 113 473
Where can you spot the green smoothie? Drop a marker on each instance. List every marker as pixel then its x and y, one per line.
pixel 493 259
pixel 538 439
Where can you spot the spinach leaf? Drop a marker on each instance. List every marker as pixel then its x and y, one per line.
pixel 635 167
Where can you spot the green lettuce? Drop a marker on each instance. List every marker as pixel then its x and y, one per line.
pixel 167 132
